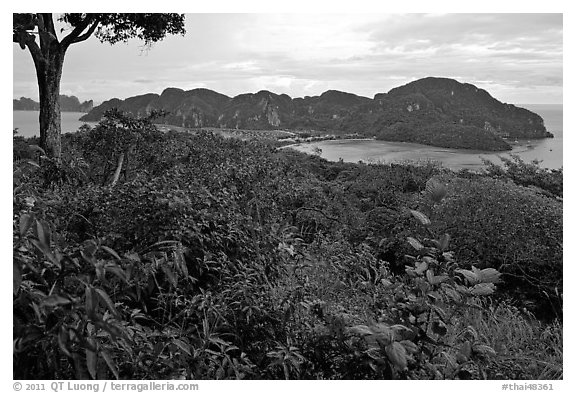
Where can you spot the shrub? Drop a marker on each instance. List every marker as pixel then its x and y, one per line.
pixel 225 259
pixel 527 174
pixel 513 229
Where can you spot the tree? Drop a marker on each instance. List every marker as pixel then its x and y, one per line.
pixel 49 51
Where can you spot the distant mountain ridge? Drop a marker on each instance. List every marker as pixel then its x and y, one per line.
pixel 67 104
pixel 434 111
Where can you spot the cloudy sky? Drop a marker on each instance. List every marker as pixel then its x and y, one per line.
pixel 516 57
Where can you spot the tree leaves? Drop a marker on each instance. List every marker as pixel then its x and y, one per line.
pixel 111 364
pixel 25 223
pixel 489 275
pixel 91 358
pixel 43 234
pixel 444 242
pixel 424 220
pixel 435 190
pixel 111 252
pixel 16 276
pixel 90 300
pixel 183 346
pixel 477 276
pixel 483 289
pixel 361 330
pixel 106 299
pixel 55 301
pixel 396 353
pixel 415 243
pixel 483 350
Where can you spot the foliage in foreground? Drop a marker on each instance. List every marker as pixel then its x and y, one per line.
pixel 223 259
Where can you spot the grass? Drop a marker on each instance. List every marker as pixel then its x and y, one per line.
pixel 525 347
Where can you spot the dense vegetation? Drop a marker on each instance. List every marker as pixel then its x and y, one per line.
pixel 444 135
pixel 150 255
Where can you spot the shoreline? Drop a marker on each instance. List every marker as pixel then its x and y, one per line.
pixel 449 158
pixel 324 140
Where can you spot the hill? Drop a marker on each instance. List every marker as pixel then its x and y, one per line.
pixel 434 111
pixel 67 104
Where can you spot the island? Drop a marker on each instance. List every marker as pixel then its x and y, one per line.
pixel 67 104
pixel 434 111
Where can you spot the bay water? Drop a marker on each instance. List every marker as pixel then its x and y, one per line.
pixel 28 124
pixel 548 151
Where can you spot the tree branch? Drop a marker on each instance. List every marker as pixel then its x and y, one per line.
pixel 118 170
pixel 35 51
pixel 46 27
pixel 76 34
pixel 86 35
pixel 49 25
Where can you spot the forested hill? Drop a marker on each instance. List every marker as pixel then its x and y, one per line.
pixel 435 111
pixel 67 104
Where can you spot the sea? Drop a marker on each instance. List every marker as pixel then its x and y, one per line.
pixel 548 151
pixel 28 125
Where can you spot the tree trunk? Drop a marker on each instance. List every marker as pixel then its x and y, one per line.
pixel 48 60
pixel 49 75
pixel 118 170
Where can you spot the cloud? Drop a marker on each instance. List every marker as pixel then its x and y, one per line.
pixel 481 29
pixel 306 54
pixel 143 80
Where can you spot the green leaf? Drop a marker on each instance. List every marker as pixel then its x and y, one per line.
pixel 397 355
pixel 429 276
pixel 16 277
pixel 415 243
pixel 435 190
pixel 55 301
pixel 452 293
pixel 111 364
pixel 383 333
pixel 111 252
pixel 43 234
pixel 25 224
pixel 489 275
pixel 183 346
pixel 218 341
pixel 36 149
pixel 483 289
pixel 435 280
pixel 483 350
pixel 471 333
pixel 117 271
pixel 46 252
pixel 90 305
pixel 470 276
pixel 444 241
pixel 170 275
pixel 104 296
pixel 91 359
pixel 421 267
pixel 32 163
pixel 452 361
pixel 361 330
pixel 424 220
pixel 466 350
pixel 63 341
pixel 409 346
